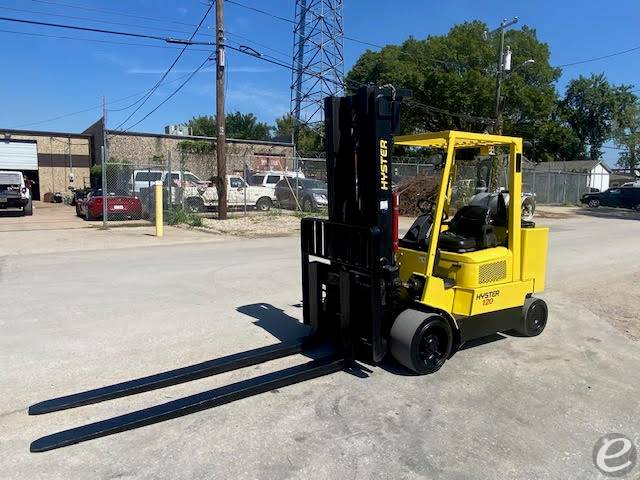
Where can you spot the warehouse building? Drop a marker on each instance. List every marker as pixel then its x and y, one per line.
pixel 59 161
pixel 54 161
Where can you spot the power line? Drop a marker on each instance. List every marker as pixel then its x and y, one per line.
pixel 164 75
pixel 172 94
pixel 111 12
pixel 88 29
pixel 108 22
pixel 264 12
pixel 95 107
pixel 356 83
pixel 595 59
pixel 111 42
pixel 95 20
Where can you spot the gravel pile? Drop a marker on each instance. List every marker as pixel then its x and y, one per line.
pixel 411 191
pixel 269 225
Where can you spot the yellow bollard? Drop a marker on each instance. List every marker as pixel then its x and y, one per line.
pixel 159 209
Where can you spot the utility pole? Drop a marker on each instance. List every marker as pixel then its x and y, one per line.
pixel 103 160
pixel 220 120
pixel 497 129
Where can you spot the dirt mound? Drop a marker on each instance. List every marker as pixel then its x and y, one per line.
pixel 410 191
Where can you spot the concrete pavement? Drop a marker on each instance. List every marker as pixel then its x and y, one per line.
pixel 514 408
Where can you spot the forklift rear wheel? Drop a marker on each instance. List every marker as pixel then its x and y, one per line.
pixel 421 341
pixel 534 317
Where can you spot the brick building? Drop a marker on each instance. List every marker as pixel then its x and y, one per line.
pixel 155 150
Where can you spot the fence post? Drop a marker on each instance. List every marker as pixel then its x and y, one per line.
pixel 564 188
pixel 169 183
pixel 159 209
pixel 105 193
pixel 245 174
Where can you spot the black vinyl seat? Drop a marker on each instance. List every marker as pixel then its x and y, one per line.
pixel 470 229
pixel 417 236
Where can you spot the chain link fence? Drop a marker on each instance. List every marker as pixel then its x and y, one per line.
pixel 264 182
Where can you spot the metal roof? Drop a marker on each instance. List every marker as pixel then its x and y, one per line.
pixel 460 139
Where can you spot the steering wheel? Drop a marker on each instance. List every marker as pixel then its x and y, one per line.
pixel 426 205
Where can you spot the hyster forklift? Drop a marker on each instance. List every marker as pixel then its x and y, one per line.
pixel 367 293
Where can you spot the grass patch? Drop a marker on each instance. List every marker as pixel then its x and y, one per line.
pixel 179 216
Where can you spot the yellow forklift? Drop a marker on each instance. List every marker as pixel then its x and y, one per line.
pixel 367 293
pixel 473 275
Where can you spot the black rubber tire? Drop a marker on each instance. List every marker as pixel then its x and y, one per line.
pixel 194 205
pixel 264 204
pixel 78 214
pixel 594 203
pixel 534 317
pixel 28 209
pixel 421 341
pixel 637 208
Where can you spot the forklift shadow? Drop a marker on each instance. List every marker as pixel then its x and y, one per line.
pixel 289 329
pixel 275 321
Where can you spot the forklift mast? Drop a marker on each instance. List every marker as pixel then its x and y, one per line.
pixel 358 237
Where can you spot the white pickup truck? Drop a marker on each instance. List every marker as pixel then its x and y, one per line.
pixel 199 198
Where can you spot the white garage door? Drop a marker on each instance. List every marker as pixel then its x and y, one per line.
pixel 18 155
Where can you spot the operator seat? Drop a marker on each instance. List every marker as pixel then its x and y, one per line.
pixel 470 229
pixel 417 236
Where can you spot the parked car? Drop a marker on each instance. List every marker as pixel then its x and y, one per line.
pixel 621 197
pixel 119 206
pixel 269 179
pixel 311 194
pixel 199 198
pixel 79 193
pixel 14 192
pixel 146 178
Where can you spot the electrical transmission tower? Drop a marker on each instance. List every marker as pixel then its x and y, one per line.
pixel 318 61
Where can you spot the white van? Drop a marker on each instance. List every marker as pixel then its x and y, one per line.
pixel 269 179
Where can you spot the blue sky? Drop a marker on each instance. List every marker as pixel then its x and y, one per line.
pixel 46 77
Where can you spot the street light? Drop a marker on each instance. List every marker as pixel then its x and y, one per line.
pixel 526 63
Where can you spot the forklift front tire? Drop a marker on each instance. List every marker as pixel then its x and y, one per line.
pixel 421 341
pixel 534 317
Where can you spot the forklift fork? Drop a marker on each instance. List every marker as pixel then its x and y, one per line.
pixel 183 406
pixel 191 404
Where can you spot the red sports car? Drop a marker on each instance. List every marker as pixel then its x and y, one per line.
pixel 118 206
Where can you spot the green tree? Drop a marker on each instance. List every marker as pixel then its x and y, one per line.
pixel 239 125
pixel 626 135
pixel 309 138
pixel 591 106
pixel 456 73
pixel 203 126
